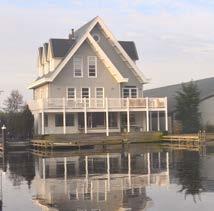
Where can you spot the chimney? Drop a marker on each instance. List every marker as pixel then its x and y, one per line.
pixel 71 36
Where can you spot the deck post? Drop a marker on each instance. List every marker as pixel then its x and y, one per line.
pixel 43 118
pixel 150 123
pixel 158 120
pixel 166 115
pixel 128 115
pixel 147 114
pixel 107 118
pixel 64 117
pixel 85 115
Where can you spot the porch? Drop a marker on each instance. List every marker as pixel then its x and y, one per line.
pixel 96 115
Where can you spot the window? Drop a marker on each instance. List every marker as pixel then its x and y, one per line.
pixel 77 67
pixel 85 93
pixel 71 93
pixel 99 92
pixel 69 119
pixel 96 37
pixel 92 66
pixel 58 120
pixel 131 92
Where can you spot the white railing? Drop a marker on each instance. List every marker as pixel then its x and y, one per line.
pixel 98 103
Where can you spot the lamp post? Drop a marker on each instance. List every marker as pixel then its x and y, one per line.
pixel 3 137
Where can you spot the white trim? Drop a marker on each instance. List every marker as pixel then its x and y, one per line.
pixel 112 68
pixel 96 92
pixel 137 71
pixel 130 94
pixel 75 93
pixel 98 36
pixel 89 92
pixel 107 62
pixel 81 65
pixel 95 60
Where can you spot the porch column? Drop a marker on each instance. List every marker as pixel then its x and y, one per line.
pixel 128 115
pixel 64 117
pixel 43 122
pixel 150 116
pixel 166 115
pixel 147 114
pixel 107 118
pixel 158 120
pixel 85 116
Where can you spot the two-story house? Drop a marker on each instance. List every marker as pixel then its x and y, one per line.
pixel 90 83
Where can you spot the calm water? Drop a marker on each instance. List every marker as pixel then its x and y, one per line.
pixel 138 177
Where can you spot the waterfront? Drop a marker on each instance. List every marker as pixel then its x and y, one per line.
pixel 134 177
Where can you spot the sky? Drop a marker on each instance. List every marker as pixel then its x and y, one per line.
pixel 174 38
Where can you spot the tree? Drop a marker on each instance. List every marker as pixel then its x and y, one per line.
pixel 14 102
pixel 187 103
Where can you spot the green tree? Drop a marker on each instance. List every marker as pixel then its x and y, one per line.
pixel 14 102
pixel 187 103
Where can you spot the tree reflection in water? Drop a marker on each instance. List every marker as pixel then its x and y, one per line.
pixel 21 167
pixel 188 173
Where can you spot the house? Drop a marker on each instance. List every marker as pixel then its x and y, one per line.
pixel 90 83
pixel 206 88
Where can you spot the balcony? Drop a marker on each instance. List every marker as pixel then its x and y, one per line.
pixel 98 104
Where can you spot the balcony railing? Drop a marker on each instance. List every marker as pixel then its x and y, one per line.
pixel 98 103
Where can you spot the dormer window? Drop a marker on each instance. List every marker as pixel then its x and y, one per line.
pixel 77 67
pixel 92 66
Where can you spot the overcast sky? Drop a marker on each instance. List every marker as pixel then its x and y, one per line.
pixel 174 38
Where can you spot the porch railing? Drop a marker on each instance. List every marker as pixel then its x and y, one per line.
pixel 98 103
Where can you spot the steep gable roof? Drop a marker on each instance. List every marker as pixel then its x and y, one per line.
pixel 83 34
pixel 60 47
pixel 130 48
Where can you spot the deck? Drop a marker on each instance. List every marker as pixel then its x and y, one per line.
pixel 98 104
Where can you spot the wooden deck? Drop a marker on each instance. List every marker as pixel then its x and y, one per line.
pixel 82 140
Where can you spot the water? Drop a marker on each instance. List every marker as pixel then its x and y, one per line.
pixel 138 177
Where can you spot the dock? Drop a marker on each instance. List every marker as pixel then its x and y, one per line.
pixel 83 140
pixel 191 142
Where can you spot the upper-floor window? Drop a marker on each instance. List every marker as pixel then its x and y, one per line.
pixel 99 92
pixel 77 67
pixel 92 66
pixel 131 92
pixel 85 93
pixel 71 93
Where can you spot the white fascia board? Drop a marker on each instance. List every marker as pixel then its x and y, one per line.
pixel 139 73
pixel 71 53
pixel 107 62
pixel 38 83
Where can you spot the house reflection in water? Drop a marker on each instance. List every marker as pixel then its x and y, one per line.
pixel 111 181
